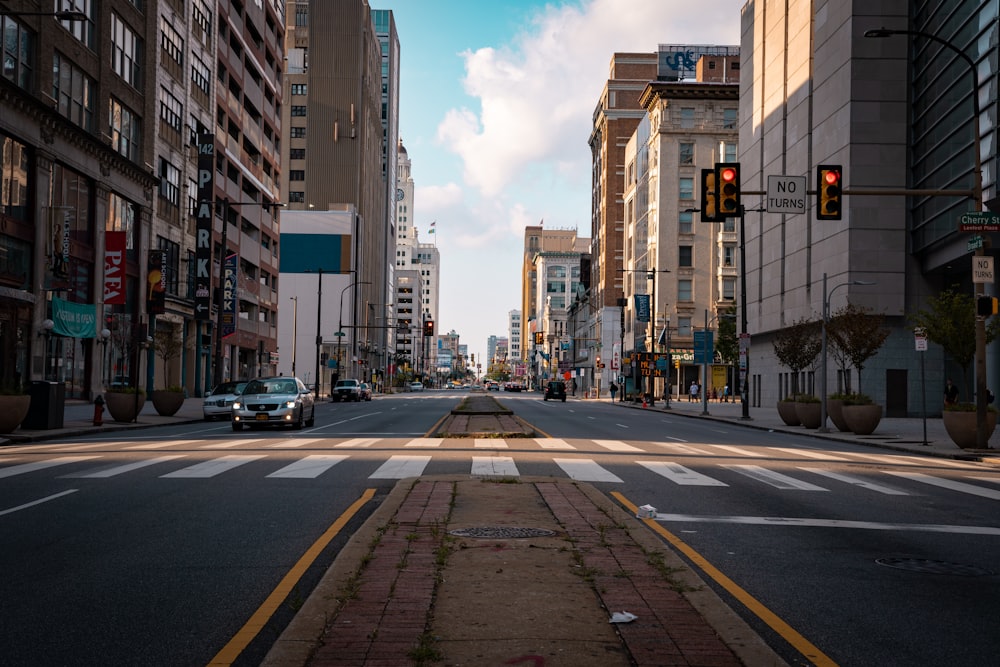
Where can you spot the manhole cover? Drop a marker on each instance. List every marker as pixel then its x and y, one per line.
pixel 933 566
pixel 501 532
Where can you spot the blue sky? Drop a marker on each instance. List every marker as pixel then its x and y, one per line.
pixel 496 101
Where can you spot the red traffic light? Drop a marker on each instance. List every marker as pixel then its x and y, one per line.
pixel 831 177
pixel 727 174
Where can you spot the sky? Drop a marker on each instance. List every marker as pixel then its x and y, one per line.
pixel 496 106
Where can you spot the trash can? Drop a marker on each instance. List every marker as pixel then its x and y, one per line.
pixel 48 402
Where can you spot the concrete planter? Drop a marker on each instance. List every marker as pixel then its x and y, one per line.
pixel 123 407
pixel 862 419
pixel 961 426
pixel 167 402
pixel 13 410
pixel 808 414
pixel 786 410
pixel 835 410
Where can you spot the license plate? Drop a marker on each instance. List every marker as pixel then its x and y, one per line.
pixel 262 416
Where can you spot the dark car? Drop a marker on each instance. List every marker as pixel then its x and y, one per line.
pixel 556 390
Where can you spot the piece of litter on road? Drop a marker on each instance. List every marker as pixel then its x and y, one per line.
pixel 622 617
pixel 646 512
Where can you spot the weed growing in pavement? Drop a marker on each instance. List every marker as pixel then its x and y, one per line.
pixel 425 652
pixel 656 560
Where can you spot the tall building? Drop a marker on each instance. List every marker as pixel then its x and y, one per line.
pixel 78 119
pixel 558 281
pixel 538 239
pixel 340 120
pixel 688 268
pixel 895 113
pixel 514 334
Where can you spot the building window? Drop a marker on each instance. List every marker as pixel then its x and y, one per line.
pixel 18 52
pixel 684 327
pixel 301 16
pixel 297 153
pixel 556 272
pixel 685 187
pixel 687 118
pixel 299 88
pixel 171 42
pixel 126 52
pixel 296 175
pixel 684 222
pixel 729 289
pixel 684 256
pixel 203 19
pixel 171 109
pixel 686 153
pixel 14 177
pixel 82 30
pixel 200 74
pixel 729 118
pixel 73 91
pixel 729 225
pixel 298 110
pixel 170 182
pixel 296 197
pixel 729 151
pixel 729 255
pixel 298 133
pixel 125 130
pixel 684 290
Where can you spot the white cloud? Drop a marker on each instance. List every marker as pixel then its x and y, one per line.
pixel 537 96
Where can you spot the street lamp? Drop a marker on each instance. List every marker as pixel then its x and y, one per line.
pixel 982 433
pixel 826 319
pixel 105 335
pixel 340 324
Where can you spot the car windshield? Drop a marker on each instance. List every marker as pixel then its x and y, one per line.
pixel 271 387
pixel 229 388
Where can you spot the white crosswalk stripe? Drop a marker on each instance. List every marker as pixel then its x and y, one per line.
pixel 809 454
pixel 857 481
pixel 294 443
pixel 310 467
pixel 425 442
pixel 162 444
pixel 961 487
pixel 775 479
pixel 616 446
pixel 491 443
pixel 230 444
pixel 494 466
pixel 125 467
pixel 213 467
pixel 41 465
pixel 682 449
pixel 586 470
pixel 553 443
pixel 739 451
pixel 679 474
pixel 358 442
pixel 399 467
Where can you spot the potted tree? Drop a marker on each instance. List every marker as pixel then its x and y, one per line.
pixel 14 405
pixel 122 398
pixel 168 346
pixel 950 321
pixel 857 334
pixel 796 347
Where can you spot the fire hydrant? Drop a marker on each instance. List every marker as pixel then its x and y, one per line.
pixel 99 411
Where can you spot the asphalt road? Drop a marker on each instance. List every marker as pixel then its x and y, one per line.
pixel 156 548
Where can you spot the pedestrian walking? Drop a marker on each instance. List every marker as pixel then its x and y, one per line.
pixel 614 390
pixel 693 392
pixel 725 394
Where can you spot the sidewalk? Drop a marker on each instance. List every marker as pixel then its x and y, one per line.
pixel 460 570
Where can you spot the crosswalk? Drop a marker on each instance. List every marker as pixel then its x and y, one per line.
pixel 784 469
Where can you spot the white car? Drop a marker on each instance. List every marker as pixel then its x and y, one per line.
pixel 274 401
pixel 218 404
pixel 416 386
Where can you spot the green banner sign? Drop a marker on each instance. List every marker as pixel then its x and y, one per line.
pixel 74 320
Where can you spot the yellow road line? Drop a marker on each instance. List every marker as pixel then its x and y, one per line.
pixel 252 628
pixel 800 643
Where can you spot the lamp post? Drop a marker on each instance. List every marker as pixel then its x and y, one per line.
pixel 47 326
pixel 105 335
pixel 823 352
pixel 340 324
pixel 982 434
pixel 295 329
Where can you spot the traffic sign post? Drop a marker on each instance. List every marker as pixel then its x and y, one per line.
pixel 786 194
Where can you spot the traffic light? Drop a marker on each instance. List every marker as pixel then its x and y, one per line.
pixel 539 337
pixel 828 191
pixel 429 328
pixel 727 178
pixel 709 196
pixel 986 306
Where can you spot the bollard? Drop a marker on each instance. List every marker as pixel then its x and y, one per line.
pixel 99 411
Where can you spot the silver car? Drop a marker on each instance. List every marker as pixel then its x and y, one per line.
pixel 218 403
pixel 274 401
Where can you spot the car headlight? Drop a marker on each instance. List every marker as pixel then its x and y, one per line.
pixel 237 405
pixel 290 404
